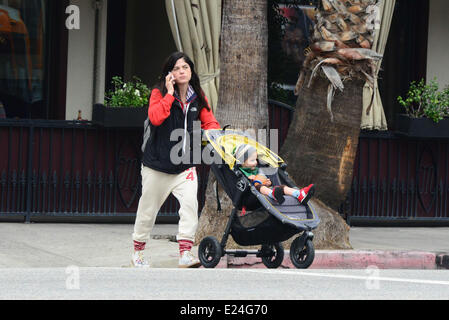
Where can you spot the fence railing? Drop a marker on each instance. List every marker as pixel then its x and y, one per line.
pixel 280 118
pixel 71 168
pixel 57 168
pixel 398 179
pixel 77 169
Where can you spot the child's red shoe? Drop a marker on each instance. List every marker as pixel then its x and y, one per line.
pixel 306 193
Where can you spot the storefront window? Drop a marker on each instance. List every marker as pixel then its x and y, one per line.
pixel 289 27
pixel 22 44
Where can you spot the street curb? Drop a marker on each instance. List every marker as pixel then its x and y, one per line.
pixel 352 259
pixel 442 261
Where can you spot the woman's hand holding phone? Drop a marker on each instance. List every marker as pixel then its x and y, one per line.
pixel 169 83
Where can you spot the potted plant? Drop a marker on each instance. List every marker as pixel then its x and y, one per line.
pixel 126 105
pixel 427 111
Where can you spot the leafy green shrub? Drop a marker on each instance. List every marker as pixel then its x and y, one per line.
pixel 424 100
pixel 127 94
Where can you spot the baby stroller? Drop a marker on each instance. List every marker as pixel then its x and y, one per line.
pixel 257 219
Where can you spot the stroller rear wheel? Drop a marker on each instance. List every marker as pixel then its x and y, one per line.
pixel 303 257
pixel 272 255
pixel 209 252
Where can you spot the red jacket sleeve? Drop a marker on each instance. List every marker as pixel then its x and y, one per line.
pixel 208 120
pixel 159 108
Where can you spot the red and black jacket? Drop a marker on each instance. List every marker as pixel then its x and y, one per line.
pixel 167 114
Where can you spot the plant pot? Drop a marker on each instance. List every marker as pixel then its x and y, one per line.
pixel 421 127
pixel 119 117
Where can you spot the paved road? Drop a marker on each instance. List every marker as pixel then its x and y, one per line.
pixel 221 284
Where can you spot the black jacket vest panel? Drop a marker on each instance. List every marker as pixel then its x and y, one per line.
pixel 159 146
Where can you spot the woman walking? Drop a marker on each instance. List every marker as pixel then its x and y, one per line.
pixel 175 103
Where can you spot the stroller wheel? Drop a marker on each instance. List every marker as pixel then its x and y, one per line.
pixel 302 258
pixel 272 255
pixel 209 252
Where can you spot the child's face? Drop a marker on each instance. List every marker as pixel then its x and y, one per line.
pixel 251 162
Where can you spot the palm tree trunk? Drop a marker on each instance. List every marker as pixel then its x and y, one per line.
pixel 320 151
pixel 243 64
pixel 243 99
pixel 243 104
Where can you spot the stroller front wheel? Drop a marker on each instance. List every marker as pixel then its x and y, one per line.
pixel 209 252
pixel 273 255
pixel 303 257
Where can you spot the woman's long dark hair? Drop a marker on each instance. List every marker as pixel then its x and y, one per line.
pixel 194 81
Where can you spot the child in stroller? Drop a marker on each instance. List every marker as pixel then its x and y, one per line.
pixel 256 217
pixel 247 156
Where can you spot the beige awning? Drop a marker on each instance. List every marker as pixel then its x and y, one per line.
pixel 375 119
pixel 195 25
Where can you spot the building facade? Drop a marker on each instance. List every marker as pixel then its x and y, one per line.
pixel 58 58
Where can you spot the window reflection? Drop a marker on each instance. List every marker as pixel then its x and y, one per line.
pixel 22 33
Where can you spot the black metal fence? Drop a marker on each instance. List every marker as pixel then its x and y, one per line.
pixel 397 178
pixel 71 168
pixel 280 118
pixel 54 168
pixel 78 169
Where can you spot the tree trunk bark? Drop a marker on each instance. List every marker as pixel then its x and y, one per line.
pixel 242 99
pixel 243 104
pixel 322 152
pixel 319 151
pixel 243 93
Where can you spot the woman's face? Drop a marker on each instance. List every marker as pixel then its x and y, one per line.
pixel 182 72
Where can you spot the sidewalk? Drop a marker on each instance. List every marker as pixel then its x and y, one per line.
pixel 385 248
pixel 110 245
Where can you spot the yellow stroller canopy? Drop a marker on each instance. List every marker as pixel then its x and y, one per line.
pixel 224 143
